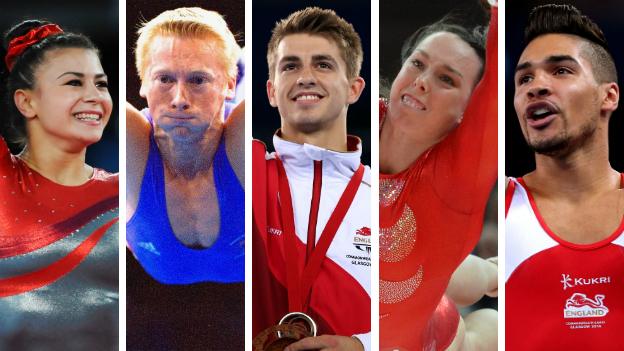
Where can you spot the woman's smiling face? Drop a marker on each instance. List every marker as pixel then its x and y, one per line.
pixel 70 99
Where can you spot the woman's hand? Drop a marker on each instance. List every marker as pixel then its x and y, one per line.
pixel 327 343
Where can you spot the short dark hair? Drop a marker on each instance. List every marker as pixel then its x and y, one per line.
pixel 567 19
pixel 475 37
pixel 21 75
pixel 325 23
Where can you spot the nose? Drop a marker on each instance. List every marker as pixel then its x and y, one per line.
pixel 539 87
pixel 180 100
pixel 92 93
pixel 538 92
pixel 422 83
pixel 306 77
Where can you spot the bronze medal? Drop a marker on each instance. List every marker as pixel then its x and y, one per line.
pixel 290 329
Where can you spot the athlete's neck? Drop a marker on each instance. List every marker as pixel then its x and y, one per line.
pixel 65 166
pixel 584 172
pixel 331 137
pixel 397 148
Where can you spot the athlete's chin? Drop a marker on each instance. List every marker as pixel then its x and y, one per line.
pixel 185 137
pixel 89 139
pixel 309 128
pixel 309 123
pixel 553 147
pixel 563 143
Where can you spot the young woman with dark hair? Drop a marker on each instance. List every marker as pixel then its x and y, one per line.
pixel 438 161
pixel 58 215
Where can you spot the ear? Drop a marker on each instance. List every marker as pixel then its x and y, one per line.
pixel 230 89
pixel 355 89
pixel 143 90
pixel 24 102
pixel 271 93
pixel 611 97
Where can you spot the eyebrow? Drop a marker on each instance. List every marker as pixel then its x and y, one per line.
pixel 549 60
pixel 82 75
pixel 184 73
pixel 446 66
pixel 206 75
pixel 317 58
pixel 291 58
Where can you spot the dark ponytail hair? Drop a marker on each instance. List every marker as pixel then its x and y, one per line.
pixel 21 76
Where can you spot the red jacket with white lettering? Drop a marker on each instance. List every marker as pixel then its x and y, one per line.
pixel 340 296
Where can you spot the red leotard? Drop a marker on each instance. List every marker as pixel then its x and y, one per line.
pixel 58 259
pixel 431 216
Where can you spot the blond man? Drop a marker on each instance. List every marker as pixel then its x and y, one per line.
pixel 185 167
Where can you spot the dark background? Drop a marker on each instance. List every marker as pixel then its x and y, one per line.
pixel 202 316
pixel 266 119
pixel 99 20
pixel 608 15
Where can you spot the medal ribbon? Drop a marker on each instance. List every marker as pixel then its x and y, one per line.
pixel 299 285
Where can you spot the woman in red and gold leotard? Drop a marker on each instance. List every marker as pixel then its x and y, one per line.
pixel 58 216
pixel 438 161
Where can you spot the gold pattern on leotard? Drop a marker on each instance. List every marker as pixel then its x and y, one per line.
pixel 397 241
pixel 394 292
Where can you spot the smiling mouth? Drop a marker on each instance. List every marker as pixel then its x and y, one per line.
pixel 307 97
pixel 88 117
pixel 412 103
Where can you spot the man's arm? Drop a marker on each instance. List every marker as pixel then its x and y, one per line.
pixel 235 141
pixel 472 279
pixel 137 149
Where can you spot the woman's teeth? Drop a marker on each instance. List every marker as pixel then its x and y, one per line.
pixel 412 103
pixel 87 116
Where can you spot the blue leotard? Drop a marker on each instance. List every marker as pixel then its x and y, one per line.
pixel 162 255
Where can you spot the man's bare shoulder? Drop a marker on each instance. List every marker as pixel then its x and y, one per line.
pixel 235 141
pixel 137 150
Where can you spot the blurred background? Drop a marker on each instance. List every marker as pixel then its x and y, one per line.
pixel 99 20
pixel 266 13
pixel 608 15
